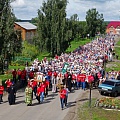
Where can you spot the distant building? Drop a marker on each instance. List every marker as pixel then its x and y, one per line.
pixel 113 28
pixel 28 30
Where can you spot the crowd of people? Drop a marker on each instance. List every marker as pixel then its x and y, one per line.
pixel 84 65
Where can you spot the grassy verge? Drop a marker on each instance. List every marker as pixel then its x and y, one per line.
pixel 8 74
pixel 117 49
pixel 114 66
pixel 16 67
pixel 76 43
pixel 43 55
pixel 95 113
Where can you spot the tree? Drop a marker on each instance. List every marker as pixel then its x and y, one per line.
pixel 74 22
pixel 34 20
pixel 82 29
pixel 10 42
pixel 94 21
pixel 52 29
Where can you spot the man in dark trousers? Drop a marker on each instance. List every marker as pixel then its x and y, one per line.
pixel 11 94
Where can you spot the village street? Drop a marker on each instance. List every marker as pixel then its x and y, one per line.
pixel 49 110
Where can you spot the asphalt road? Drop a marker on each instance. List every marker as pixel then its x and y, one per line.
pixel 49 110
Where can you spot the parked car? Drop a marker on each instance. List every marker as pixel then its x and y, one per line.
pixel 110 86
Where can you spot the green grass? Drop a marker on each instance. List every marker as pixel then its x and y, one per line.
pixel 4 77
pixel 118 43
pixel 117 49
pixel 76 43
pixel 9 75
pixel 114 66
pixel 16 67
pixel 43 55
pixel 95 113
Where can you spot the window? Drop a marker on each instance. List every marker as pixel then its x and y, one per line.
pixel 117 84
pixel 109 83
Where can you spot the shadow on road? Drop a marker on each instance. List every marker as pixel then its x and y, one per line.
pixel 19 96
pixel 71 104
pixel 52 95
pixel 19 102
pixel 44 102
pixel 5 101
pixel 82 100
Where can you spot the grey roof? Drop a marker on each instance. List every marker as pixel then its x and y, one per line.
pixel 27 25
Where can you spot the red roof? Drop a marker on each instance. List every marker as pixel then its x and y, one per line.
pixel 115 24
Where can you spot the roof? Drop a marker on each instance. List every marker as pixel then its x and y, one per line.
pixel 26 25
pixel 115 24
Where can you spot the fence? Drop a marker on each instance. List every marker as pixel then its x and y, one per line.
pixel 22 59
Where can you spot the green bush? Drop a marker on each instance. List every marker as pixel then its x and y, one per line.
pixel 29 50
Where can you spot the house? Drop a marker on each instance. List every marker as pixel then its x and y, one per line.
pixel 28 30
pixel 113 28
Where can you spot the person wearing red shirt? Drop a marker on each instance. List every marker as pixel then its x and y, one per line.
pixel 8 83
pixel 19 74
pixel 31 75
pixel 99 75
pixel 49 72
pixel 73 80
pixel 46 82
pixel 22 79
pixel 56 57
pixel 38 93
pixel 90 78
pixel 43 89
pixel 49 77
pixel 34 84
pixel 63 93
pixel 1 92
pixel 25 72
pixel 14 74
pixel 78 80
pixel 55 74
pixel 83 77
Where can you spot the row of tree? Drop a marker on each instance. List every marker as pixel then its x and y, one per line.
pixel 10 40
pixel 55 31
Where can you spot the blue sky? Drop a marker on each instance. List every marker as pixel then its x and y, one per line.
pixel 27 9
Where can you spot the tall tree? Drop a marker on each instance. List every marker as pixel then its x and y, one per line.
pixel 74 25
pixel 10 42
pixel 52 27
pixel 95 22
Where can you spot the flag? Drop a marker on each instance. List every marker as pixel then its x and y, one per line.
pixel 64 69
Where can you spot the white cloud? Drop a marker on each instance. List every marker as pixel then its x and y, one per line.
pixel 18 3
pixel 109 8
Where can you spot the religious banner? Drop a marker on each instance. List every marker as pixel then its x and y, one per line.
pixel 64 69
pixel 39 77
